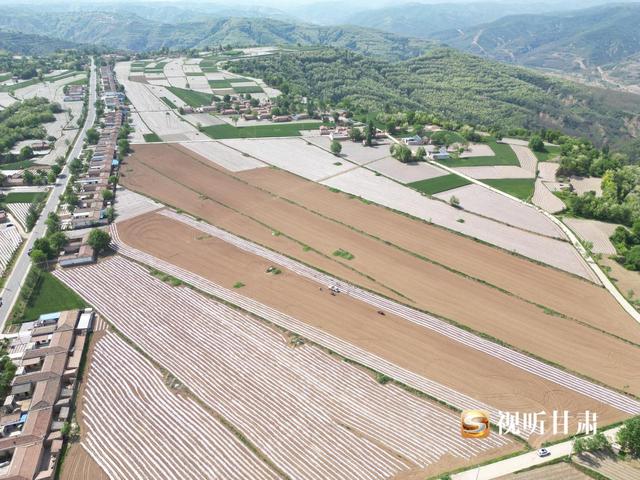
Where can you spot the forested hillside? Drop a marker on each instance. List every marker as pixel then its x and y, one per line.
pixel 566 41
pixel 455 86
pixel 25 44
pixel 138 34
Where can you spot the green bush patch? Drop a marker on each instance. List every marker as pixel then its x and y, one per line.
pixel 344 254
pixel 151 137
pixel 169 103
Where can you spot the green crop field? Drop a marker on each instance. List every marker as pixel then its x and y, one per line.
pixel 432 186
pixel 521 188
pixel 191 97
pixel 24 197
pixel 259 131
pixel 195 74
pixel 504 155
pixel 550 153
pixel 52 296
pixel 219 83
pixel 249 89
pixel 151 137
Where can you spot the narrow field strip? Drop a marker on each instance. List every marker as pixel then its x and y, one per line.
pixel 19 211
pixel 531 365
pixel 10 240
pixel 314 416
pixel 138 428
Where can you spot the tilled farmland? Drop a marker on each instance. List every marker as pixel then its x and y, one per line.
pixel 138 428
pixel 312 415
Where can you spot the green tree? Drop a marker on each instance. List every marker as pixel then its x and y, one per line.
pixel 400 152
pixel 32 217
pixel 632 258
pixel 536 143
pixel 92 136
pixel 336 147
pixel 53 223
pixel 26 153
pixel 57 241
pixel 99 240
pixel 421 154
pixel 629 436
pixel 107 195
pixel 75 167
pixel 356 135
pixel 38 257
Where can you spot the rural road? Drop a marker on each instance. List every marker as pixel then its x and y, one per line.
pixel 21 268
pixel 520 462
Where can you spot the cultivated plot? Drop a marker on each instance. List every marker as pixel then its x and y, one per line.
pixel 405 172
pixel 224 156
pixel 495 172
pixel 319 418
pixel 10 240
pixel 354 152
pixel 411 340
pixel 483 201
pixel 135 423
pixel 294 155
pixel 593 231
pixel 398 197
pixel 545 199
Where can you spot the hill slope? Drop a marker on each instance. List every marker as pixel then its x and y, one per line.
pixel 138 34
pixel 576 40
pixel 456 86
pixel 26 44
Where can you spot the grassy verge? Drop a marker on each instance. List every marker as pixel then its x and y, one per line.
pixel 521 188
pixel 259 131
pixel 43 293
pixel 191 97
pixel 169 103
pixel 432 186
pixel 151 137
pixel 504 155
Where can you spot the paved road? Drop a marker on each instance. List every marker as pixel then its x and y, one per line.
pixel 526 460
pixel 21 267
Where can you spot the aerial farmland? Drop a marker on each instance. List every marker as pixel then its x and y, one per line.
pixel 279 300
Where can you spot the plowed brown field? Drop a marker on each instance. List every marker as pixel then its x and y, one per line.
pixel 406 344
pixel 182 179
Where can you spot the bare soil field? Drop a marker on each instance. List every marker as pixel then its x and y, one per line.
pixel 404 343
pixel 354 152
pixel 78 465
pixel 587 184
pixel 422 284
pixel 536 283
pixel 626 280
